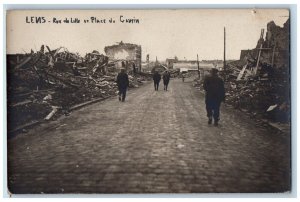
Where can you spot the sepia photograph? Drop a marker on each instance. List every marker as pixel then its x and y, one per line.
pixel 148 101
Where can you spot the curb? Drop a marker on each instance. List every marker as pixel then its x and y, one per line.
pixel 24 126
pixel 78 106
pixel 34 123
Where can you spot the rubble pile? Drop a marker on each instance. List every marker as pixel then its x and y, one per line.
pixel 46 83
pixel 188 74
pixel 262 97
pixel 259 83
pixel 174 73
pixel 258 96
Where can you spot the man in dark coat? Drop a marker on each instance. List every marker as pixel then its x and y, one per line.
pixel 166 78
pixel 215 94
pixel 123 83
pixel 123 64
pixel 133 68
pixel 156 79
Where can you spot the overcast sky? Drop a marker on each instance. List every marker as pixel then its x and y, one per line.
pixel 161 33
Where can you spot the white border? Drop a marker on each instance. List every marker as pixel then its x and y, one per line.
pixel 62 4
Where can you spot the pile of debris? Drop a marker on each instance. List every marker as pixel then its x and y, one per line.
pixel 259 83
pixel 46 83
pixel 267 98
pixel 262 97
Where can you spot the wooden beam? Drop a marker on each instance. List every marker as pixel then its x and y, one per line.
pixel 240 76
pixel 69 83
pixel 257 63
pixel 273 55
pixel 24 62
pixel 263 48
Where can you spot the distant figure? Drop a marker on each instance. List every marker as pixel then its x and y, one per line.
pixel 123 64
pixel 133 68
pixel 123 83
pixel 214 95
pixel 166 78
pixel 182 77
pixel 156 79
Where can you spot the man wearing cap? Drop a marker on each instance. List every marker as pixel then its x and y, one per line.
pixel 214 95
pixel 123 83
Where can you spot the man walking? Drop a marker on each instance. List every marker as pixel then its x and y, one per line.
pixel 214 95
pixel 166 78
pixel 156 79
pixel 123 83
pixel 133 68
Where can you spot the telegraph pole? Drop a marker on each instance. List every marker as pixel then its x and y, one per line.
pixel 224 62
pixel 198 66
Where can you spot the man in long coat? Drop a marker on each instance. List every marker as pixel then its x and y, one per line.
pixel 214 95
pixel 123 83
pixel 156 79
pixel 166 78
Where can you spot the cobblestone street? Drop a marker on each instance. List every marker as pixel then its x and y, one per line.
pixel 154 142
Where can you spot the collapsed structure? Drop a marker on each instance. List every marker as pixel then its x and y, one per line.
pixel 259 82
pixel 47 83
pixel 274 50
pixel 125 55
pixel 170 62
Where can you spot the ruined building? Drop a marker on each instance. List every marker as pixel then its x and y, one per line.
pixel 275 47
pixel 126 53
pixel 260 81
pixel 170 62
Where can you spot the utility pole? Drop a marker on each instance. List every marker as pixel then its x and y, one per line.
pixel 224 62
pixel 198 66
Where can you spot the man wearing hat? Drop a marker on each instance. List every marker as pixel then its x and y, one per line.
pixel 214 95
pixel 123 83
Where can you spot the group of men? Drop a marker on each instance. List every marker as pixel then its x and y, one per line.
pixel 213 86
pixel 157 78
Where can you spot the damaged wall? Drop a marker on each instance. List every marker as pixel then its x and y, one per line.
pixel 259 83
pixel 275 44
pixel 125 51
